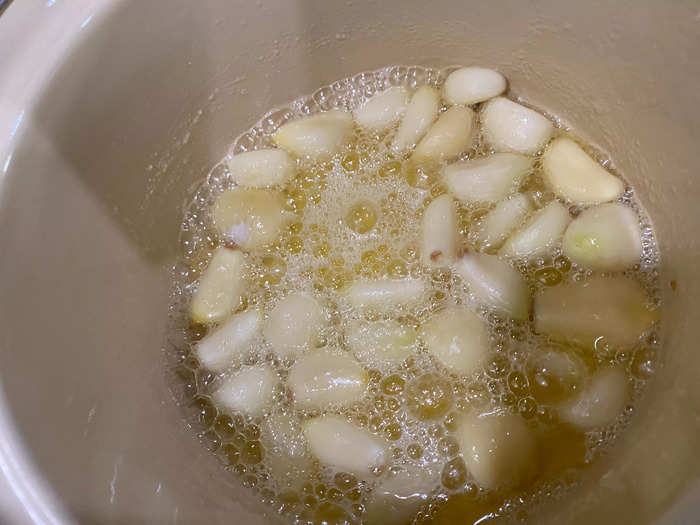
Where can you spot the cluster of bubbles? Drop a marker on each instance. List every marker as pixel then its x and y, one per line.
pixel 335 240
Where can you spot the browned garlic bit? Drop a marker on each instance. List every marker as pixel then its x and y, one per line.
pixel 412 296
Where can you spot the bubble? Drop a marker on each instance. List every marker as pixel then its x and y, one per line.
pixel 206 411
pixel 562 264
pixel 518 384
pixel 345 481
pixel 252 432
pixel 320 490
pixel 295 245
pixel 358 509
pixel 224 427
pixel 393 384
pixel 448 447
pixel 390 169
pixel 421 177
pixel 249 481
pixel 361 217
pixel 429 396
pixel 397 269
pixel 393 431
pixel 643 364
pixel 451 421
pixel 508 399
pixel 351 162
pixel 454 474
pixel 252 452
pixel 231 454
pixel 498 366
pixel 548 276
pixel 334 494
pixel 354 494
pixel 393 404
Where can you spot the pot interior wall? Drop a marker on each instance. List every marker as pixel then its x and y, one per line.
pixel 149 101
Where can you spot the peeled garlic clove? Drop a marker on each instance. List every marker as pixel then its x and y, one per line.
pixel 540 234
pixel 600 403
pixel 458 339
pixel 495 284
pixel 615 309
pixel 605 238
pixel 294 325
pixel 469 85
pixel 322 380
pixel 420 114
pixel 496 225
pixel 382 110
pixel 575 176
pixel 439 232
pixel 508 126
pixel 249 217
pixel 220 287
pixel 499 449
pixel 250 390
pixel 386 294
pixel 398 496
pixel 262 168
pixel 287 450
pixel 450 135
pixel 317 136
pixel 383 343
pixel 487 179
pixel 344 446
pixel 230 343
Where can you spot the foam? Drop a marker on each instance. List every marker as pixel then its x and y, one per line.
pixel 323 256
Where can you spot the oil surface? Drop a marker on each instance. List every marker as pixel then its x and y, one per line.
pixel 359 215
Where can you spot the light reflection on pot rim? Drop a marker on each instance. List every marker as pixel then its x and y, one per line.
pixel 54 32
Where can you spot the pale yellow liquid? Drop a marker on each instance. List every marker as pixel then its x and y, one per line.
pixel 413 406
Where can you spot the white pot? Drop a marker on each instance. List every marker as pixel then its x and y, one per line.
pixel 110 110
